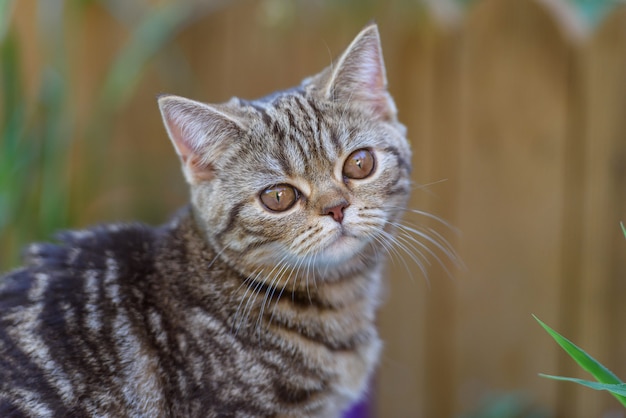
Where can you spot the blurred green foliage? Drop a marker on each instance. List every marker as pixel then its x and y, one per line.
pixel 507 405
pixel 592 11
pixel 35 147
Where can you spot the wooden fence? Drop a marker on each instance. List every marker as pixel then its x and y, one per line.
pixel 517 104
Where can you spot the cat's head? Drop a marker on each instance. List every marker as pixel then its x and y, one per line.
pixel 310 177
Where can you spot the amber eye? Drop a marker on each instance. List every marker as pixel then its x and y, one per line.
pixel 279 198
pixel 359 164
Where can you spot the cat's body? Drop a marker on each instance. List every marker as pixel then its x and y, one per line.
pixel 258 300
pixel 146 341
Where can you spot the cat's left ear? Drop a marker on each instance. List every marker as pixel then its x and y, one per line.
pixel 200 132
pixel 359 75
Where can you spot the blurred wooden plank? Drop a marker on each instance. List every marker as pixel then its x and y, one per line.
pixel 571 398
pixel 401 386
pixel 511 198
pixel 603 285
pixel 441 375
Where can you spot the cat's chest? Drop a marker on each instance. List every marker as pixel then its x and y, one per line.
pixel 280 371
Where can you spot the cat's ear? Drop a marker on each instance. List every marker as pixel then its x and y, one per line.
pixel 200 133
pixel 359 75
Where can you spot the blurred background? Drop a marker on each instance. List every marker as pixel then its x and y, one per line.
pixel 516 111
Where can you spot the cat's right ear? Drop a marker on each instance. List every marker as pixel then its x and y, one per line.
pixel 200 134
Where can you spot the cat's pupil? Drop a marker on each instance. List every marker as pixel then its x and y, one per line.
pixel 359 164
pixel 279 198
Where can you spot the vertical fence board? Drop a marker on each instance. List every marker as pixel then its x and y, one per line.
pixel 442 322
pixel 604 275
pixel 616 210
pixel 510 203
pixel 571 397
pixel 401 387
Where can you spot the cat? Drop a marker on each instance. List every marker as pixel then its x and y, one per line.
pixel 258 299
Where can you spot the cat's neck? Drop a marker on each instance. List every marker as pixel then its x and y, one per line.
pixel 333 312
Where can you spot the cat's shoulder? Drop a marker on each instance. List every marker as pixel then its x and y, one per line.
pixel 117 249
pixel 94 248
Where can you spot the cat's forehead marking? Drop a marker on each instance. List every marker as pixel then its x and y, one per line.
pixel 293 134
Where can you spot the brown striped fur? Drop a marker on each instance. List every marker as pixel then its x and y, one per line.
pixel 230 309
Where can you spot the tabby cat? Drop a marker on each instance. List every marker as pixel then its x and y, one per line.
pixel 259 299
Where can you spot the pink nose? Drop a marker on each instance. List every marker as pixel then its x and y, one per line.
pixel 336 211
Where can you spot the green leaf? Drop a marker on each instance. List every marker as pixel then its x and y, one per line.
pixel 623 228
pixel 594 11
pixel 12 122
pixel 156 28
pixel 618 388
pixel 6 10
pixel 584 360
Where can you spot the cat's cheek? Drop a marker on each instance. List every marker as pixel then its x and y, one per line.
pixel 211 205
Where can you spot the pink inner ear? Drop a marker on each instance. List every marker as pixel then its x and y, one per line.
pixel 199 169
pixel 199 132
pixel 374 88
pixel 373 72
pixel 360 76
pixel 179 139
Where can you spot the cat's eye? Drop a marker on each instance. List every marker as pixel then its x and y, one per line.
pixel 359 164
pixel 280 197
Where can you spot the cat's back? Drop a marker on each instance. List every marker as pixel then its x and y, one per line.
pixel 53 273
pixel 65 318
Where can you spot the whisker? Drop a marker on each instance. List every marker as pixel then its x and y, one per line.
pixel 419 259
pixel 418 186
pixel 392 252
pixel 278 299
pixel 428 215
pixel 313 267
pixel 413 243
pixel 271 289
pixel 443 246
pixel 294 271
pixel 217 256
pixel 255 293
pixel 295 284
pixel 430 232
pixel 248 282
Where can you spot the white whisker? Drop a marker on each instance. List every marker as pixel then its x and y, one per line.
pixel 428 215
pixel 217 256
pixel 443 246
pixel 387 244
pixel 427 185
pixel 248 282
pixel 282 290
pixel 434 235
pixel 416 256
pixel 271 289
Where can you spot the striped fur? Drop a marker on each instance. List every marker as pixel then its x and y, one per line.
pixel 230 309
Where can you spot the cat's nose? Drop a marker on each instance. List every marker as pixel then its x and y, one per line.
pixel 336 210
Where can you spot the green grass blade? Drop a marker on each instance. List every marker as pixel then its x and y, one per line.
pixel 584 360
pixel 6 10
pixel 156 28
pixel 617 389
pixel 623 228
pixel 56 137
pixel 14 154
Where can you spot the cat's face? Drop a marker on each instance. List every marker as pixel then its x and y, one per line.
pixel 310 178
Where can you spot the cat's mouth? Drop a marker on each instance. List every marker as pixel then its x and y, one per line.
pixel 343 247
